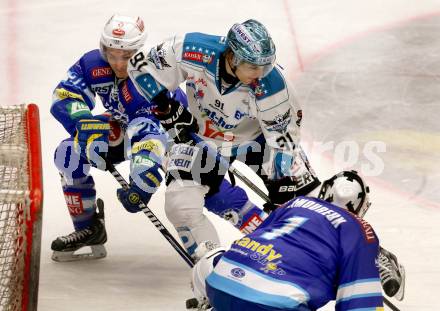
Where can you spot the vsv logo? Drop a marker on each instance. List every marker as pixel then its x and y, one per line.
pixel 238 273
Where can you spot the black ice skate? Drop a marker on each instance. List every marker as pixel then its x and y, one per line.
pixel 95 236
pixel 392 275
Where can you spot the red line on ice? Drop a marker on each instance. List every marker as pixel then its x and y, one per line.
pixel 302 64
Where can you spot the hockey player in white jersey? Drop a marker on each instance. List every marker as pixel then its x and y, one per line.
pixel 243 104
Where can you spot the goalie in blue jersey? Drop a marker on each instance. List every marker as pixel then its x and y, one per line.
pixel 306 253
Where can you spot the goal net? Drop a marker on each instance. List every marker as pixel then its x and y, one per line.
pixel 20 207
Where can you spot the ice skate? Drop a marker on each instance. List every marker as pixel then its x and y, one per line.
pixel 94 236
pixel 392 275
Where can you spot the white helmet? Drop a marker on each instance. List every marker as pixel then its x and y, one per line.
pixel 347 190
pixel 124 33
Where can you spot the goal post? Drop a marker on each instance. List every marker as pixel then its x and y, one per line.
pixel 21 197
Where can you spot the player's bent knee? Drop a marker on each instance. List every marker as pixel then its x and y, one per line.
pixel 184 203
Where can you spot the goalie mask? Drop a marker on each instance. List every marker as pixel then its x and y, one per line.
pixel 123 33
pixel 347 190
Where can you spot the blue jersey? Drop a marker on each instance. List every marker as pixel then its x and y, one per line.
pixel 304 255
pixel 74 97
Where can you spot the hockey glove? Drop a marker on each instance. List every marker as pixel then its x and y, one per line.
pixel 130 199
pixel 281 190
pixel 148 181
pixel 91 141
pixel 173 116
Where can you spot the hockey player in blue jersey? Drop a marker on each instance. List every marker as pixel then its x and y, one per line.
pixel 240 102
pixel 305 254
pixel 128 130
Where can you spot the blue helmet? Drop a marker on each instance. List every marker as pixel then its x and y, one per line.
pixel 251 43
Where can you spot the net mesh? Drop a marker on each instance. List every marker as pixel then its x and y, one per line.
pixel 14 203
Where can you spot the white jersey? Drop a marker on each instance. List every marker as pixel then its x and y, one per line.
pixel 229 116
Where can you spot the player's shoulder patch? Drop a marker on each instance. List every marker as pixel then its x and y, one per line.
pixel 271 84
pixel 95 67
pixel 202 49
pixel 134 101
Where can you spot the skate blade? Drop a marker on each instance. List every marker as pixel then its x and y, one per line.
pixel 97 252
pixel 401 292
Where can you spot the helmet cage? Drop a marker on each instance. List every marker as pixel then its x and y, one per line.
pixel 364 204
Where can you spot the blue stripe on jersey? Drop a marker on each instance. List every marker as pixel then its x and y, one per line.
pixel 367 309
pixel 359 296
pixel 359 289
pixel 359 281
pixel 372 302
pixel 149 86
pixel 232 287
pixel 221 283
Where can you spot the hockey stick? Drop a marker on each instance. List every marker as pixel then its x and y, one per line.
pixel 390 304
pixel 232 169
pixel 182 252
pixel 256 189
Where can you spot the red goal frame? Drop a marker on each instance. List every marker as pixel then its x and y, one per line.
pixel 33 224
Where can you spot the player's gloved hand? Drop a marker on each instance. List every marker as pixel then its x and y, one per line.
pixel 281 190
pixel 91 140
pixel 173 116
pixel 148 182
pixel 130 199
pixel 269 207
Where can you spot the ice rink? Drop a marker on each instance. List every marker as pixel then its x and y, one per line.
pixel 368 77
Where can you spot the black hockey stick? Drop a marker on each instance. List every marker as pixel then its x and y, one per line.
pixel 390 304
pixel 232 169
pixel 182 252
pixel 258 191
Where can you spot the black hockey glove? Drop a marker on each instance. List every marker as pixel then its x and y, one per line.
pixel 173 116
pixel 281 190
